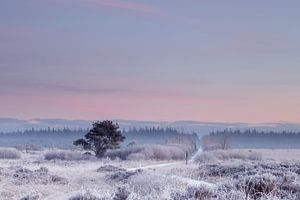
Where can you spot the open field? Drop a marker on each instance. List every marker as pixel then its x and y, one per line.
pixel 33 177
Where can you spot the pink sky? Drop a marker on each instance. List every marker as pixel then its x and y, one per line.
pixel 150 60
pixel 144 107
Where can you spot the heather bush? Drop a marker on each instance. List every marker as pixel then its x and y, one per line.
pixel 122 175
pixel 84 196
pixel 121 194
pixel 9 153
pixel 109 168
pixel 222 170
pixel 147 184
pixel 263 180
pixel 259 185
pixel 194 193
pixel 65 155
pixel 23 176
pixel 30 197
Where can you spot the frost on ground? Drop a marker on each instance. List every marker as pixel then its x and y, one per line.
pixel 250 177
pixel 21 176
pixel 230 175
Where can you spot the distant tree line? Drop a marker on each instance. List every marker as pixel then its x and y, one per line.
pixel 64 137
pixel 251 138
pixel 151 130
pixel 130 130
pixel 47 130
pixel 253 132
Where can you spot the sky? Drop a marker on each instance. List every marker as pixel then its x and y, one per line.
pixel 203 60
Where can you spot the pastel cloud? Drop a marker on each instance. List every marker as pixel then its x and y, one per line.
pixel 25 85
pixel 118 4
pixel 126 5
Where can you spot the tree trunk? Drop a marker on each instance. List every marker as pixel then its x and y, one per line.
pixel 100 153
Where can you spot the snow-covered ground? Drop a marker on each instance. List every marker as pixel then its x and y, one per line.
pixel 36 178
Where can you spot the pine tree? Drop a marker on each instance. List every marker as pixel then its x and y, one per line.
pixel 104 135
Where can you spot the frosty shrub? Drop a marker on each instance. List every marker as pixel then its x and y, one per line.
pixel 221 170
pixel 30 197
pixel 148 184
pixel 227 191
pixel 109 168
pixel 121 194
pixel 65 155
pixel 9 153
pixel 257 186
pixel 212 156
pixel 263 180
pixel 290 191
pixel 84 196
pixel 149 151
pixel 123 176
pixel 123 153
pixel 23 176
pixel 194 193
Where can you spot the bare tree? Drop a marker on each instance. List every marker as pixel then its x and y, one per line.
pixel 225 142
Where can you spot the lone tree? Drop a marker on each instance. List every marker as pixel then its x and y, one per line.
pixel 104 135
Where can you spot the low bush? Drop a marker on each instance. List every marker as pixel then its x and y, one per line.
pixel 147 185
pixel 65 155
pixel 122 175
pixel 263 180
pixel 200 193
pixel 30 197
pixel 84 196
pixel 223 170
pixel 109 168
pixel 121 194
pixel 23 176
pixel 259 185
pixel 9 153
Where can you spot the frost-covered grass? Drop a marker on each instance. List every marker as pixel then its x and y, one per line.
pixel 221 155
pixel 224 179
pixel 150 152
pixel 254 179
pixel 9 153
